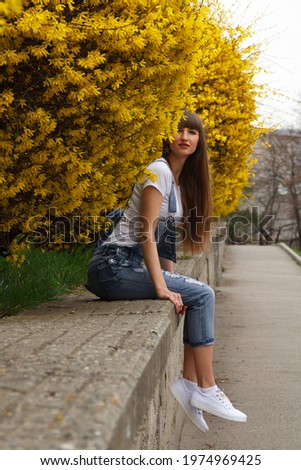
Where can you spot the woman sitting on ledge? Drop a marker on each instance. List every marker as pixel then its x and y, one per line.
pixel 180 193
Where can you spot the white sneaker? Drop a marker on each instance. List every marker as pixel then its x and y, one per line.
pixel 217 404
pixel 183 395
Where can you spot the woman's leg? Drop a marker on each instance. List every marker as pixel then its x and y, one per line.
pixel 198 365
pixel 198 330
pixel 203 356
pixel 189 370
pixel 198 354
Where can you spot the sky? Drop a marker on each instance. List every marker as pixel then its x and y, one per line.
pixel 278 28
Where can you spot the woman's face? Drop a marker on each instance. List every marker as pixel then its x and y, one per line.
pixel 185 142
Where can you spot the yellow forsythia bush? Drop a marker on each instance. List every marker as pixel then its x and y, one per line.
pixel 226 92
pixel 88 89
pixel 8 8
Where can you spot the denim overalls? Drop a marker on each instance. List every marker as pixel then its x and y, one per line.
pixel 116 273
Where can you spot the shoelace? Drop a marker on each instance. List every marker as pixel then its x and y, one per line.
pixel 223 399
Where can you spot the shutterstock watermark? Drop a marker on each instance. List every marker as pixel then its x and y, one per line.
pixel 58 229
pixel 250 228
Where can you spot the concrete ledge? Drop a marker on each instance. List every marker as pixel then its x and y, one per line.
pixel 292 254
pixel 81 373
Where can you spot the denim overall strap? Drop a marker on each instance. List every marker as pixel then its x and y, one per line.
pixel 172 207
pixel 166 229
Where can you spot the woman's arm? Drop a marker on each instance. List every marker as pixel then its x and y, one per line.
pixel 149 212
pixel 166 264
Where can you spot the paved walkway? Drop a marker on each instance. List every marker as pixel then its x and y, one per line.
pixel 258 352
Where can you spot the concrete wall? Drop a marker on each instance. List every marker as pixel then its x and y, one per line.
pixel 83 373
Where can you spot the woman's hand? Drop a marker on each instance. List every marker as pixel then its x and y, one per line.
pixel 174 298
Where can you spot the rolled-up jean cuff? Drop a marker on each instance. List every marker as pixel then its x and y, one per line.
pixel 208 342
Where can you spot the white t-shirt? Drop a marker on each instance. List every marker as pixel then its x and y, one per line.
pixel 126 231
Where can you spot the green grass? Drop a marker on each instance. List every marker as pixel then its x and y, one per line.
pixel 43 276
pixel 297 251
pixel 184 257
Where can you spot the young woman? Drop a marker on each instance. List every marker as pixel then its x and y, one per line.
pixel 181 194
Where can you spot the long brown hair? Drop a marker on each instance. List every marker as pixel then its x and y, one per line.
pixel 195 188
